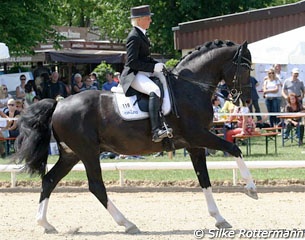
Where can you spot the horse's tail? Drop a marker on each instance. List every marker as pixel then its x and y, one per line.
pixel 34 136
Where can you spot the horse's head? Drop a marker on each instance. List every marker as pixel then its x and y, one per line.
pixel 238 76
pixel 216 61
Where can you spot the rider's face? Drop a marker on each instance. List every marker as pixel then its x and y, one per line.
pixel 144 22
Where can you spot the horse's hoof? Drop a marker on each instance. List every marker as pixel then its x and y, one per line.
pixel 50 231
pixel 251 192
pixel 133 229
pixel 223 224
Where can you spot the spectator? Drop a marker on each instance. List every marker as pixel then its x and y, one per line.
pixel 12 112
pixel 78 84
pixel 53 87
pixel 223 89
pixel 281 77
pixel 116 77
pixel 20 92
pixel 89 84
pixel 245 124
pixel 19 105
pixel 272 96
pixel 94 79
pixel 4 97
pixel 294 105
pixel 29 94
pixel 109 82
pixel 216 107
pixel 294 85
pixel 254 98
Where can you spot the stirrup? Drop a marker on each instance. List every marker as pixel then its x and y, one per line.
pixel 159 134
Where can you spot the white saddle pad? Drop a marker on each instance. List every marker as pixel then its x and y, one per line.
pixel 129 111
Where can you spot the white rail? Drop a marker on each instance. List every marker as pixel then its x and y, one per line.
pixel 123 166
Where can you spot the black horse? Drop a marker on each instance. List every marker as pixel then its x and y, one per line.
pixel 86 124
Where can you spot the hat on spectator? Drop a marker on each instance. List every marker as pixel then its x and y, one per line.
pixel 140 11
pixel 295 70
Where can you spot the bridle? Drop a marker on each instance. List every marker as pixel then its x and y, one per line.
pixel 240 61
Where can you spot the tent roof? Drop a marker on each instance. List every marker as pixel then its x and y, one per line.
pixel 86 56
pixel 4 52
pixel 284 48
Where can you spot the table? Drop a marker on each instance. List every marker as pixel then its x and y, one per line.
pixel 283 117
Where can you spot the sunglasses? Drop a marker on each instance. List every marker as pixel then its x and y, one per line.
pixel 271 73
pixel 11 105
pixel 22 79
pixel 4 88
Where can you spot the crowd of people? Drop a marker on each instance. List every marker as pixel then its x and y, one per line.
pixel 281 95
pixel 46 84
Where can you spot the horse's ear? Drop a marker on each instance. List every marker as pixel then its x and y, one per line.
pixel 245 44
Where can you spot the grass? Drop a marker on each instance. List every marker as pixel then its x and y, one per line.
pixel 289 152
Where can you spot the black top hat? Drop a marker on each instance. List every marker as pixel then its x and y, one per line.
pixel 140 11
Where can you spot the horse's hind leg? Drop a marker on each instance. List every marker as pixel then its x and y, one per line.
pixel 199 162
pixel 49 182
pixel 97 187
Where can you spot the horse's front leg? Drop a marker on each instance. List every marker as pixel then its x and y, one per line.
pixel 199 162
pixel 218 143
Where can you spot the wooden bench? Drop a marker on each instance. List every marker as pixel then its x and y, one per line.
pixel 7 144
pixel 268 136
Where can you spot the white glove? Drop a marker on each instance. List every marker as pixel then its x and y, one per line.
pixel 159 67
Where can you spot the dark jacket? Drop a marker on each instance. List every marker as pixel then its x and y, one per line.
pixel 138 59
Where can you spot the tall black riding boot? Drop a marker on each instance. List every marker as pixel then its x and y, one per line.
pixel 154 105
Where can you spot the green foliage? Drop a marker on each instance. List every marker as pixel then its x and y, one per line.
pixel 24 24
pixel 101 71
pixel 171 63
pixel 17 69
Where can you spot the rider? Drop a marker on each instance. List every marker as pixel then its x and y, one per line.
pixel 140 66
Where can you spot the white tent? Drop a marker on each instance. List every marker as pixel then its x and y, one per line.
pixel 4 53
pixel 284 48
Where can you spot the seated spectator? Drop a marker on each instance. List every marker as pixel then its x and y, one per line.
pixel 12 112
pixel 20 91
pixel 93 76
pixel 216 107
pixel 88 84
pixel 110 82
pixel 293 105
pixel 245 124
pixel 4 97
pixel 78 84
pixel 53 87
pixel 29 94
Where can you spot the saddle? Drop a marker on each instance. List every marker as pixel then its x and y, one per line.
pixel 136 107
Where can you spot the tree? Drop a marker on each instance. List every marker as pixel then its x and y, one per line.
pixel 25 23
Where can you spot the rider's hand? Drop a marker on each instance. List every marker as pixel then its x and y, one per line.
pixel 159 67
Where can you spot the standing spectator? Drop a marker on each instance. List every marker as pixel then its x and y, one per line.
pixel 294 85
pixel 110 82
pixel 254 98
pixel 54 88
pixel 78 84
pixel 94 79
pixel 294 106
pixel 281 77
pixel 223 90
pixel 4 97
pixel 272 96
pixel 20 92
pixel 88 84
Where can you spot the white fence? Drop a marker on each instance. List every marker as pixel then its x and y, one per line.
pixel 123 166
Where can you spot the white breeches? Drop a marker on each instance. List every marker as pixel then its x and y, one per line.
pixel 144 84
